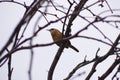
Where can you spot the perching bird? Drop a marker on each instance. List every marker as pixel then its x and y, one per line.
pixel 57 35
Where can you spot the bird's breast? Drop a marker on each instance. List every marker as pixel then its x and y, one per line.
pixel 56 36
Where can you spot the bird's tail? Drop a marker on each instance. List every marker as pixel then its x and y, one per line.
pixel 74 48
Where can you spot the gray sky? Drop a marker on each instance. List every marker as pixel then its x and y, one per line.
pixel 11 14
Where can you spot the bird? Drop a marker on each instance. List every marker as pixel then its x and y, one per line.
pixel 57 35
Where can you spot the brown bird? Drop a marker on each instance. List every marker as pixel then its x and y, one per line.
pixel 57 35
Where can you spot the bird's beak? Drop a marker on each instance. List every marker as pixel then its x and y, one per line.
pixel 48 29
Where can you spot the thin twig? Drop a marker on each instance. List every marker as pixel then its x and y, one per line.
pixel 111 68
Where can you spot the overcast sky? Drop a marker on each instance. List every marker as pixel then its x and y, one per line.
pixel 10 15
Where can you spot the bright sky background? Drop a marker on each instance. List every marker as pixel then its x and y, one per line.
pixel 11 14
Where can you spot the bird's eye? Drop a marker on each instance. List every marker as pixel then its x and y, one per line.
pixel 51 29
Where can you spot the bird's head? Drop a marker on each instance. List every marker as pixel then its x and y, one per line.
pixel 52 29
pixel 55 33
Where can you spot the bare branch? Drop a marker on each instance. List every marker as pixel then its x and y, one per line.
pixel 59 53
pixel 26 18
pixel 112 67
